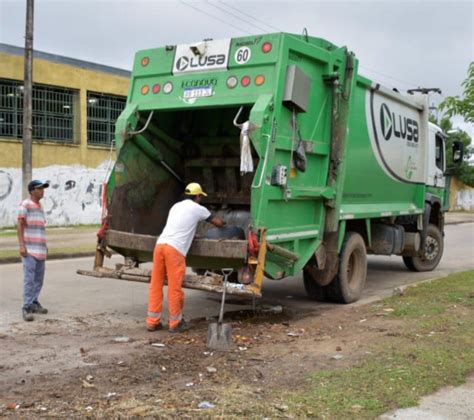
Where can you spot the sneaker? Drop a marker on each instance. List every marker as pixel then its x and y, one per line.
pixel 156 327
pixel 38 309
pixel 181 327
pixel 27 313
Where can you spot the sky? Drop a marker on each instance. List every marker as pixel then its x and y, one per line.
pixel 399 44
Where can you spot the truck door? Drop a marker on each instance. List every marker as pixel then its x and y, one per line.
pixel 437 159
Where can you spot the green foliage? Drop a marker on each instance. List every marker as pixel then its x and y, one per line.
pixel 431 348
pixel 454 105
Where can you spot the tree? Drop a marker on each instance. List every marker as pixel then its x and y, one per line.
pixel 454 105
pixel 464 107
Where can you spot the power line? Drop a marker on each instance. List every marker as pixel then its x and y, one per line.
pixel 250 16
pixel 403 82
pixel 214 17
pixel 232 14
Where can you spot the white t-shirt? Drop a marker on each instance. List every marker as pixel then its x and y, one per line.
pixel 181 225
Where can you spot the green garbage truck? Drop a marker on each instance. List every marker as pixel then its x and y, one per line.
pixel 313 163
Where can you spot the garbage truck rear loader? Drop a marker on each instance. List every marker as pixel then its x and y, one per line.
pixel 314 165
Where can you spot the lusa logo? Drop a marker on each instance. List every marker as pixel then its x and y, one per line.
pixel 184 62
pixel 397 125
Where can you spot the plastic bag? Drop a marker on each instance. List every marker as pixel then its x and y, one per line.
pixel 246 162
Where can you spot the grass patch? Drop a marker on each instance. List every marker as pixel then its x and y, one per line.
pixel 51 230
pixel 434 349
pixel 52 251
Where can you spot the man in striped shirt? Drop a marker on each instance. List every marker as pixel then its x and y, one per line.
pixel 33 249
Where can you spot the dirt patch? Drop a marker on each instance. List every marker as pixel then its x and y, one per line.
pixel 104 365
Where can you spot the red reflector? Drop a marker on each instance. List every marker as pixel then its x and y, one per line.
pixel 145 61
pixel 156 88
pixel 245 81
pixel 266 47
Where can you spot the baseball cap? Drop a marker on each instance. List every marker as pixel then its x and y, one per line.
pixel 36 183
pixel 194 189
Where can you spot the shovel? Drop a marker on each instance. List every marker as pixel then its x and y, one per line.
pixel 219 335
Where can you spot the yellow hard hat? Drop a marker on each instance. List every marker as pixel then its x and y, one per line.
pixel 194 189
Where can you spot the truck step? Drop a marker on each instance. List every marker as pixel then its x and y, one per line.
pixel 209 283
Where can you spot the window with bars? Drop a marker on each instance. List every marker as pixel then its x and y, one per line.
pixel 53 111
pixel 102 113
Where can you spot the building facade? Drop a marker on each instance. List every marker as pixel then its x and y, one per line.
pixel 75 106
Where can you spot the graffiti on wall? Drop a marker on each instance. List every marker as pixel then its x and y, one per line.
pixel 74 195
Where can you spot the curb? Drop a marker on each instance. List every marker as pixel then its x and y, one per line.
pixel 59 256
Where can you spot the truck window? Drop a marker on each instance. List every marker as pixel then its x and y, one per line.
pixel 439 152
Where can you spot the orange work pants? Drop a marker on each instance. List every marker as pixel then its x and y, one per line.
pixel 167 262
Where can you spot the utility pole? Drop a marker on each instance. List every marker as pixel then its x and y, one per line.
pixel 27 100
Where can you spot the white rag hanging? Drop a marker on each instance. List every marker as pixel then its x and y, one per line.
pixel 246 162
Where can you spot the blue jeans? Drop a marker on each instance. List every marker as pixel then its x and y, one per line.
pixel 33 276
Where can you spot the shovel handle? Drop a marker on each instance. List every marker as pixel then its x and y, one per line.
pixel 227 272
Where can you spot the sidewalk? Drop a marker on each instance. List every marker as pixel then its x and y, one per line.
pixel 69 242
pixel 454 218
pixel 63 242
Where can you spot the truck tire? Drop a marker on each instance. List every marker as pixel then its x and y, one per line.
pixel 349 283
pixel 313 289
pixel 429 259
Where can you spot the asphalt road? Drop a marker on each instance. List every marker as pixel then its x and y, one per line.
pixel 67 294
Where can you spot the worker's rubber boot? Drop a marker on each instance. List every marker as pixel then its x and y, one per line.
pixel 156 327
pixel 181 327
pixel 38 309
pixel 27 313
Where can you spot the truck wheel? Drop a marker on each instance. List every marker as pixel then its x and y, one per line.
pixel 347 286
pixel 430 256
pixel 313 289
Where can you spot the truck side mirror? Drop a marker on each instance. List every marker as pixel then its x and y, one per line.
pixel 458 152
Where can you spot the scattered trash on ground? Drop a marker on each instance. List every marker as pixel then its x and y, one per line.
pixel 211 369
pixel 281 407
pixel 122 339
pixel 206 404
pixel 160 345
pixel 86 384
pixel 276 309
pixel 337 357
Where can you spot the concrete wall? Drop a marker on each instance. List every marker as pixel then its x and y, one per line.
pixel 74 195
pixel 461 196
pixel 74 170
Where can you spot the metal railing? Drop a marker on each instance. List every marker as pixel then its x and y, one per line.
pixel 102 113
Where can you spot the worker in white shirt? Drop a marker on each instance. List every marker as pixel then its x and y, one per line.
pixel 169 258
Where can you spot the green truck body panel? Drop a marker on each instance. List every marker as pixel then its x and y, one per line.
pixel 190 137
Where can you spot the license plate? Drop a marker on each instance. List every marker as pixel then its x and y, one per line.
pixel 200 92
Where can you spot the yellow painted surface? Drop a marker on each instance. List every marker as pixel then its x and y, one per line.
pixel 455 187
pixel 61 75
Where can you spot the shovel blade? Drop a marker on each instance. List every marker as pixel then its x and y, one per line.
pixel 219 336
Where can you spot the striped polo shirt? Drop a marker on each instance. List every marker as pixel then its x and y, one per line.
pixel 35 232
